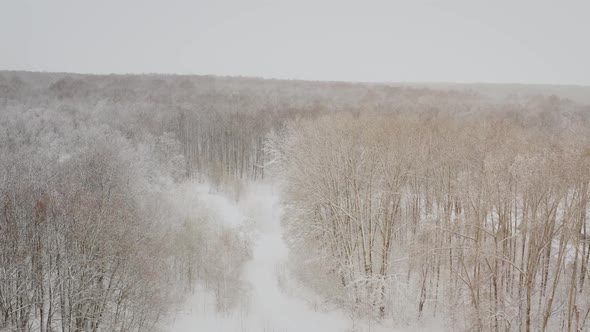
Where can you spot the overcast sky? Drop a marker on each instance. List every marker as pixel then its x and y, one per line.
pixel 419 41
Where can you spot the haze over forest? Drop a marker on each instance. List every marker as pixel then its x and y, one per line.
pixel 417 166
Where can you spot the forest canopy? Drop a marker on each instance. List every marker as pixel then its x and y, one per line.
pixel 415 202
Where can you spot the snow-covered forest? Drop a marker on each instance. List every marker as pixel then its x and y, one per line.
pixel 204 203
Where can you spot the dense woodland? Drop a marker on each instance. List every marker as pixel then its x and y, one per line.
pixel 482 222
pixel 401 203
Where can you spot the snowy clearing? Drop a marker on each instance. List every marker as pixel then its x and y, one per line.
pixel 267 307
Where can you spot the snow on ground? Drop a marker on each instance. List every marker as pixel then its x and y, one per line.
pixel 268 308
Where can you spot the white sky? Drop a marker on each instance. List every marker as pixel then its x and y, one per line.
pixel 523 41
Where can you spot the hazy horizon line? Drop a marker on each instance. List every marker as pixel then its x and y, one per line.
pixel 246 76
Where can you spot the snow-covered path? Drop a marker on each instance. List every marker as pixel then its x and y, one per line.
pixel 267 307
pixel 272 308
